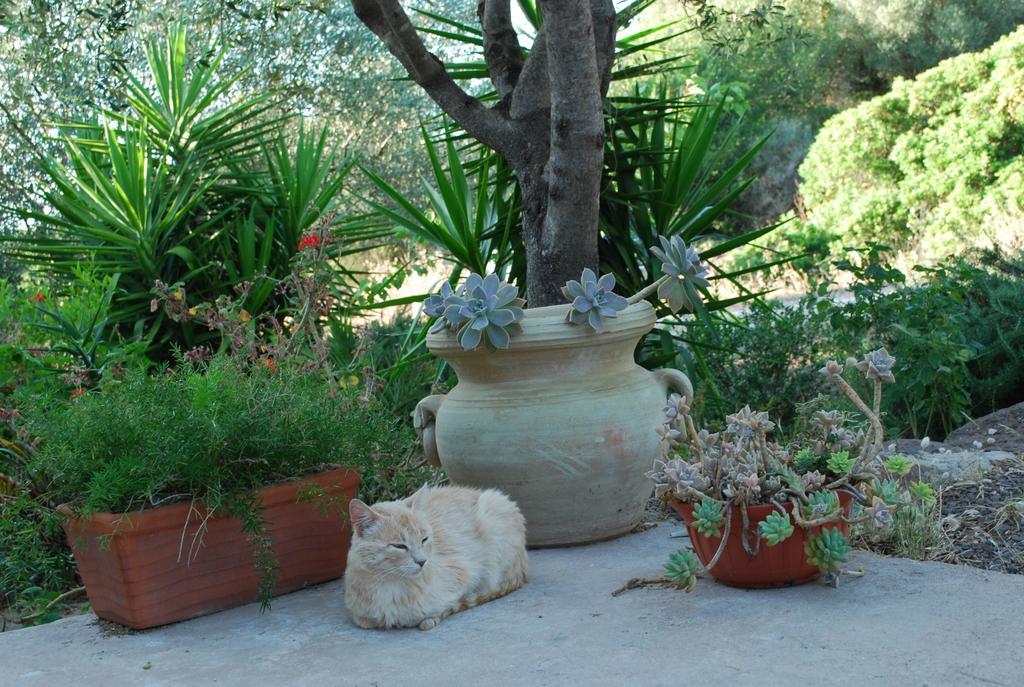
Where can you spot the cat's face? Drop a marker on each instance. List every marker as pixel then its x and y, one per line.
pixel 393 541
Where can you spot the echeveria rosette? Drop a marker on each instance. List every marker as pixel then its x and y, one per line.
pixel 436 306
pixel 593 300
pixel 683 263
pixel 485 307
pixel 877 365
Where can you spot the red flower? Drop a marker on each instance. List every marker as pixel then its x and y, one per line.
pixel 38 298
pixel 271 364
pixel 77 392
pixel 309 241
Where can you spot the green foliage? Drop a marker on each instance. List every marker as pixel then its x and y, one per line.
pixel 827 550
pixel 775 528
pixel 797 63
pixel 933 164
pixel 206 433
pixel 957 333
pixel 55 343
pixel 708 518
pixel 840 462
pixel 473 214
pixel 212 433
pixel 65 62
pixel 682 569
pixel 32 553
pixel 191 186
pixel 915 531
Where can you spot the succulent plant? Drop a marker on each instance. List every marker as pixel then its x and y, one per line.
pixel 708 518
pixel 812 480
pixel 676 407
pixel 877 365
pixel 888 490
pixel 682 569
pixel 833 435
pixel 807 461
pixel 436 305
pixel 480 310
pixel 827 550
pixel 819 504
pixel 747 423
pixel 684 270
pixel 879 512
pixel 593 300
pixel 898 464
pixel 775 528
pixel 840 462
pixel 740 466
pixel 832 369
pixel 922 491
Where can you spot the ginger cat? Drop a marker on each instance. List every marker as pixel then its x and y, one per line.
pixel 442 550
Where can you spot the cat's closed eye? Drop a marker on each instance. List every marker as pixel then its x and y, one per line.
pixel 424 540
pixel 400 547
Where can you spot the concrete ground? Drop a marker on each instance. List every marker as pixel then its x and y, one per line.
pixel 904 623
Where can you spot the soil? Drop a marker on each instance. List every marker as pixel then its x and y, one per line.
pixel 983 520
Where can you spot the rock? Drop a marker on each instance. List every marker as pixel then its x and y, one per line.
pixel 1005 427
pixel 948 465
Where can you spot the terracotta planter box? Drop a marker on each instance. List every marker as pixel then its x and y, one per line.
pixel 138 572
pixel 782 565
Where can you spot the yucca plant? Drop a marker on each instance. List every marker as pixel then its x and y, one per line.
pixel 193 186
pixel 474 208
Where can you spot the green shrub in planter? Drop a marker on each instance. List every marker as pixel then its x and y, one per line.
pixel 211 432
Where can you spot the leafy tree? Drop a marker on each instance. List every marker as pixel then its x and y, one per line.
pixel 933 164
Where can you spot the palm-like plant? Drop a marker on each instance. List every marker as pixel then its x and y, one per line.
pixel 474 208
pixel 191 186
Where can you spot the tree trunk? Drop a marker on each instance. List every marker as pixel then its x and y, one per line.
pixel 548 123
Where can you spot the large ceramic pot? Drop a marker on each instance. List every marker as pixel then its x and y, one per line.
pixel 564 421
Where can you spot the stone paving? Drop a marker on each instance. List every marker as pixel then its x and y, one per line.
pixel 903 623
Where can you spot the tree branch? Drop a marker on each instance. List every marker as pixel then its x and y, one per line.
pixel 502 53
pixel 603 12
pixel 532 95
pixel 392 25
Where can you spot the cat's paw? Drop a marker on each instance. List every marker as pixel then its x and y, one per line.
pixel 430 623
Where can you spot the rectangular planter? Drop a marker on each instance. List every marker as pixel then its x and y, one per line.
pixel 138 572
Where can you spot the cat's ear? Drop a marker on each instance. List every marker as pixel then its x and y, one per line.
pixel 416 500
pixel 363 517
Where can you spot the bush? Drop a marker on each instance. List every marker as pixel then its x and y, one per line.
pixel 799 63
pixel 957 337
pixel 935 163
pixel 210 432
pixel 205 432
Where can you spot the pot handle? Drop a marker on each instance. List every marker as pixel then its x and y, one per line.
pixel 423 419
pixel 675 380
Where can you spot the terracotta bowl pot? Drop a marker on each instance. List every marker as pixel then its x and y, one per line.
pixel 782 565
pixel 154 567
